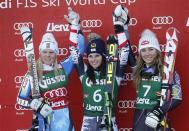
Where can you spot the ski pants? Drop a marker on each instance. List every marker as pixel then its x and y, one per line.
pixel 94 123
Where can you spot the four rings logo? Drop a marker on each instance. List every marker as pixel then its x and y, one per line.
pixel 20 108
pixel 63 51
pixel 124 104
pixel 56 93
pixel 128 77
pixel 133 22
pixel 22 130
pixel 125 129
pixel 91 23
pixel 160 20
pixel 19 53
pixel 134 48
pixel 17 26
pixel 18 79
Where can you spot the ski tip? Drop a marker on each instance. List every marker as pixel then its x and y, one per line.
pixel 171 33
pixel 25 29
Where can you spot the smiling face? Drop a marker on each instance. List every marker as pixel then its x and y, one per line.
pixel 148 55
pixel 95 60
pixel 48 56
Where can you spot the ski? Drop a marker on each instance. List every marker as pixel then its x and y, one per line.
pixel 26 33
pixel 169 61
pixel 30 57
pixel 168 67
pixel 111 63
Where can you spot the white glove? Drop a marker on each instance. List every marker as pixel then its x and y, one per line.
pixel 152 120
pixel 92 36
pixel 42 108
pixel 120 15
pixel 73 19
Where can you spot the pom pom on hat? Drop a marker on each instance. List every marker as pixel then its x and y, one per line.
pixel 48 42
pixel 148 39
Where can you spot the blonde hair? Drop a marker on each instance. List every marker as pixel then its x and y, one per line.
pixel 40 68
pixel 140 65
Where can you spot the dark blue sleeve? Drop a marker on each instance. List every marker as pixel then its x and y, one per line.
pixel 176 94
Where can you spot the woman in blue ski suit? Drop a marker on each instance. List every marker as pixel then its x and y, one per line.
pixel 52 109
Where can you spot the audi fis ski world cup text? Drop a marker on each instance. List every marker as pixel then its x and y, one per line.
pixel 7 4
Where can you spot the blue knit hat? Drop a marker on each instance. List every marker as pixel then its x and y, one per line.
pixel 96 46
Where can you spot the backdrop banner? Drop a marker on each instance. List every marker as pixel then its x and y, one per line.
pixel 96 16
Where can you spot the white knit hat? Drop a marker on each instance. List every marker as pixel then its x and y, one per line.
pixel 48 42
pixel 148 39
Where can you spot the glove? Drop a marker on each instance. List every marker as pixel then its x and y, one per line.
pixel 41 107
pixel 120 16
pixel 92 36
pixel 123 55
pixel 74 54
pixel 153 118
pixel 73 19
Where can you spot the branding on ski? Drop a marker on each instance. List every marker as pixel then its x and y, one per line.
pixel 112 59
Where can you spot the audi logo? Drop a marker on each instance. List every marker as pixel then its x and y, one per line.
pixel 19 53
pixel 125 129
pixel 128 77
pixel 22 130
pixel 91 23
pixel 17 26
pixel 20 108
pixel 160 20
pixel 56 93
pixel 173 129
pixel 18 79
pixel 134 48
pixel 63 51
pixel 133 22
pixel 124 104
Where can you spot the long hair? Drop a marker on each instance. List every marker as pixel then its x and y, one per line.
pixel 40 68
pixel 101 69
pixel 140 65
